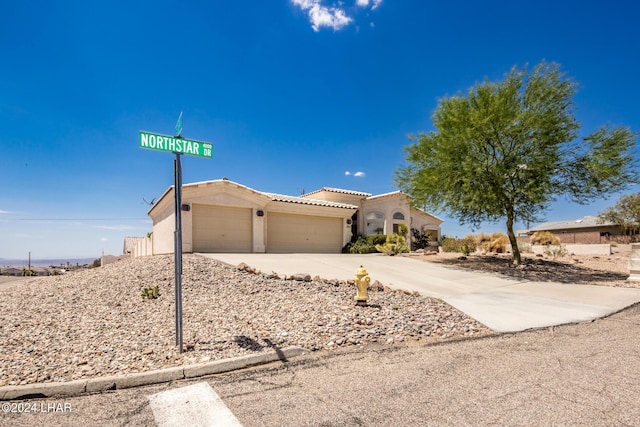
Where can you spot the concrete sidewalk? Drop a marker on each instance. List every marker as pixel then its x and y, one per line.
pixel 503 304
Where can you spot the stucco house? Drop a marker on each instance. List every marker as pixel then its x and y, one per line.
pixel 586 230
pixel 224 216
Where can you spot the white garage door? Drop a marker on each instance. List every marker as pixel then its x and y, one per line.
pixel 288 233
pixel 221 229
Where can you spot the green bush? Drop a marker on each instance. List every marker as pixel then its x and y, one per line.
pixel 377 239
pixel 29 272
pixel 150 293
pixel 367 244
pixel 394 244
pixel 361 245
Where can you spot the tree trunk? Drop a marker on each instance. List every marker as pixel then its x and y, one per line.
pixel 516 259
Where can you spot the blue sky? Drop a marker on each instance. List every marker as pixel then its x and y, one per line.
pixel 292 94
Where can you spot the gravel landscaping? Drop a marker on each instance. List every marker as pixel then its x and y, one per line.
pixel 95 322
pixel 601 270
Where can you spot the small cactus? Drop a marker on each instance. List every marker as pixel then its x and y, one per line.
pixel 150 293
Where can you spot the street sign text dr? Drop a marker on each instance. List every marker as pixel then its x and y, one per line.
pixel 154 141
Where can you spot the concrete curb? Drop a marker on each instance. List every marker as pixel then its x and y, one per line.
pixel 117 382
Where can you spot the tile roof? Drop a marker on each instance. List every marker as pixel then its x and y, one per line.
pixel 377 196
pixel 306 201
pixel 339 190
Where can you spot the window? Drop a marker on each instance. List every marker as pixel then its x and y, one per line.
pixel 398 216
pixel 375 223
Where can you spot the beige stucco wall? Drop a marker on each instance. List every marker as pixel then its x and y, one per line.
pixel 163 230
pixel 142 247
pixel 577 249
pixel 387 206
pixel 221 193
pixel 425 222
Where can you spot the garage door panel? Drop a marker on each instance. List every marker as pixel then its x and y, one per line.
pixel 221 229
pixel 288 233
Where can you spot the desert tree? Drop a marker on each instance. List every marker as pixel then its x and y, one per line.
pixel 505 150
pixel 625 213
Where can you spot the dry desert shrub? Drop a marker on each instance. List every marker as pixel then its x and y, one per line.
pixel 496 242
pixel 544 238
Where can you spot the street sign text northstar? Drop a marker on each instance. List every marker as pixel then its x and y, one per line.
pixel 154 141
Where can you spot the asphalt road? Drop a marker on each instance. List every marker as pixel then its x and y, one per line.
pixel 582 374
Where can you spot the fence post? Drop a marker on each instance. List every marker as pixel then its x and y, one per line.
pixel 634 263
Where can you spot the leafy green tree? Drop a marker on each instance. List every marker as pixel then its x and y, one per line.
pixel 625 213
pixel 507 149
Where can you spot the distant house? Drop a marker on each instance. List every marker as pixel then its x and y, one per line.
pixel 587 230
pixel 14 271
pixel 224 216
pixel 11 271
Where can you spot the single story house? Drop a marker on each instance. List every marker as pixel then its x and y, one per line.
pixel 587 230
pixel 224 216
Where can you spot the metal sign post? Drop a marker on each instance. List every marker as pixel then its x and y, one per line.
pixel 178 249
pixel 177 145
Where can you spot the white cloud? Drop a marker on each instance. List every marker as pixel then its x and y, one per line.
pixel 115 227
pixel 347 173
pixel 334 17
pixel 104 239
pixel 359 174
pixel 3 212
pixel 323 16
pixel 365 3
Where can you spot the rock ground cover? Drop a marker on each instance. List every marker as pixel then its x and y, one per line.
pixel 95 322
pixel 601 270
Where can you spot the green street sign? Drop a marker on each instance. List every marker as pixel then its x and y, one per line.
pixel 154 141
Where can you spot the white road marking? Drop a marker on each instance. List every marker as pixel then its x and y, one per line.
pixel 195 405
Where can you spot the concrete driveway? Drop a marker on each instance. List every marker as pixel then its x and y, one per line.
pixel 502 303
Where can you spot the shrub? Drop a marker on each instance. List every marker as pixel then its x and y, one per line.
pixel 419 239
pixel 555 251
pixel 465 245
pixel 361 245
pixel 29 272
pixel 377 239
pixel 497 242
pixel 394 245
pixel 150 293
pixel 544 238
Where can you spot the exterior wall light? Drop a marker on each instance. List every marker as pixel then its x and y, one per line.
pixel 260 213
pixel 186 207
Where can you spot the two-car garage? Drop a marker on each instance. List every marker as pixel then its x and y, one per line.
pixel 229 229
pixel 223 216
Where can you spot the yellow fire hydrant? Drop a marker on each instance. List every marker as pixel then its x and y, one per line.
pixel 362 281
